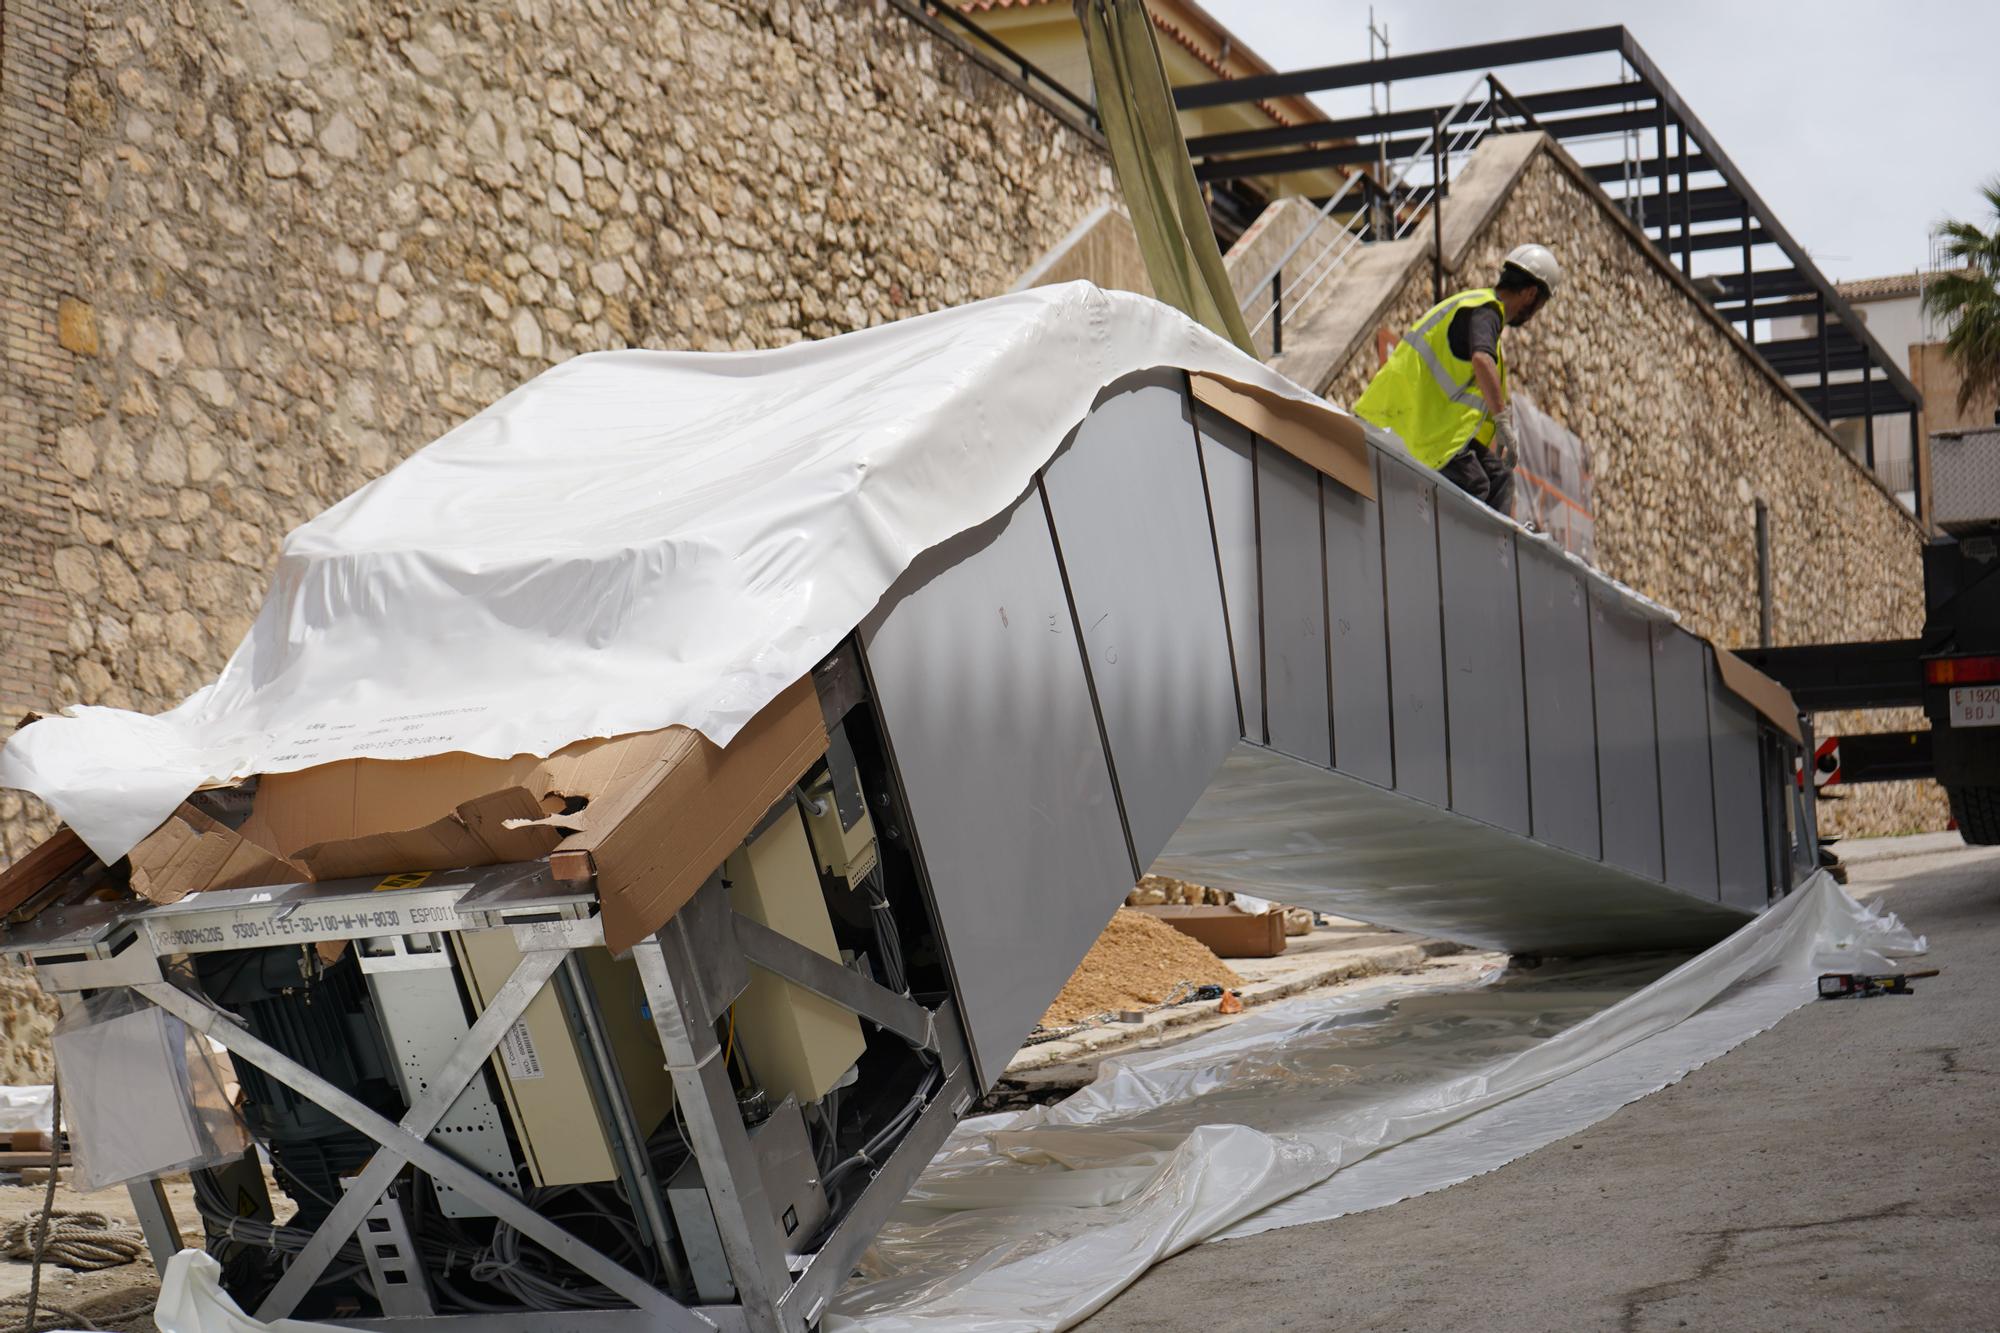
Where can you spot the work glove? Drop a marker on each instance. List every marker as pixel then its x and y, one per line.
pixel 1505 446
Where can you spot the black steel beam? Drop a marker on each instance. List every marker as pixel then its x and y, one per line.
pixel 1393 122
pixel 1800 356
pixel 1880 756
pixel 1767 309
pixel 1711 203
pixel 1847 401
pixel 1616 172
pixel 1826 677
pixel 1318 159
pixel 1356 74
pixel 1749 275
pixel 1728 238
pixel 1769 282
pixel 1687 212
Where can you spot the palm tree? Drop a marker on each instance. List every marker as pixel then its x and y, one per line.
pixel 1968 300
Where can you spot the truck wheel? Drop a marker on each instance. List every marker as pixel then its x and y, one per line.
pixel 1977 810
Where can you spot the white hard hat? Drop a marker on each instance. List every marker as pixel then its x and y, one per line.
pixel 1538 262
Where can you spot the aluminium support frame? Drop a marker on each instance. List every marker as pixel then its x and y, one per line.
pixel 691 971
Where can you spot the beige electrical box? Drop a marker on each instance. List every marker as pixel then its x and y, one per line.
pixel 540 1067
pixel 798 1044
pixel 844 853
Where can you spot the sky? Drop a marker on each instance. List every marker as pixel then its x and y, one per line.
pixel 1860 123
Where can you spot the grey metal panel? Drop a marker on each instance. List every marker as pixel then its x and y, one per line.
pixel 1226 450
pixel 1739 797
pixel 1416 651
pixel 1485 705
pixel 1276 827
pixel 424 1020
pixel 1562 726
pixel 982 692
pixel 1132 529
pixel 1294 583
pixel 1687 785
pixel 1358 636
pixel 1628 775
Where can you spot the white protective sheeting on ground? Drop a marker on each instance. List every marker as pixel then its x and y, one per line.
pixel 629 541
pixel 1032 1221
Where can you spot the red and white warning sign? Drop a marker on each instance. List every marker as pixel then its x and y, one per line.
pixel 1826 762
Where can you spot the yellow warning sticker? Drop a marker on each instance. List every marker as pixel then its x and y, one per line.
pixel 408 880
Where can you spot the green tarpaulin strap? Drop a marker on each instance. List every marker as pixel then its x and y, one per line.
pixel 1137 111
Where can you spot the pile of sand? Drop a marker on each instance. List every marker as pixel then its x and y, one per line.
pixel 1136 962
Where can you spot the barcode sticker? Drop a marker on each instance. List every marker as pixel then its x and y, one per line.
pixel 518 1053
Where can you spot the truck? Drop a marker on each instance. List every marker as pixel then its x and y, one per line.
pixel 1951 670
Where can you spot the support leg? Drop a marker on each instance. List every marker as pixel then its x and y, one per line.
pixel 684 1011
pixel 156 1221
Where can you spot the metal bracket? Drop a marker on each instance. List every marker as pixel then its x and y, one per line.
pixel 786 957
pixel 394 1266
pixel 848 801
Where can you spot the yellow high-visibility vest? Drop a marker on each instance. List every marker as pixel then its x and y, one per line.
pixel 1429 397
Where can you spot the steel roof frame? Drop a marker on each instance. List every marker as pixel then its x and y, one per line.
pixel 1645 101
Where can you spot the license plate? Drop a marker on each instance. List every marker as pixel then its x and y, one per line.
pixel 1975 706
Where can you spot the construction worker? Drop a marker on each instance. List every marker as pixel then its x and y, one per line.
pixel 1443 391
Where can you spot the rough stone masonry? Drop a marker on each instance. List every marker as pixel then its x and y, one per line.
pixel 264 248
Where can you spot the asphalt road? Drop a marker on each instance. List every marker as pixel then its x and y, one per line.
pixel 1839 1171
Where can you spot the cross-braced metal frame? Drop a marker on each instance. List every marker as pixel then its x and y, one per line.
pixel 691 971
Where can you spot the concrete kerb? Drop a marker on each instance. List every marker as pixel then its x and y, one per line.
pixel 1266 980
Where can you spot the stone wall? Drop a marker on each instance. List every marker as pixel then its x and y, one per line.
pixel 256 251
pixel 43 330
pixel 1687 432
pixel 265 248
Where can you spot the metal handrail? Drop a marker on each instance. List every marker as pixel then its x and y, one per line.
pixel 1459 133
pixel 1325 209
pixel 1031 73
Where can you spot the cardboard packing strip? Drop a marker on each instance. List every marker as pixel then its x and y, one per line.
pixel 1767 696
pixel 649 816
pixel 1320 436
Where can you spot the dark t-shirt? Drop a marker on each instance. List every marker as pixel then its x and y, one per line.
pixel 1475 330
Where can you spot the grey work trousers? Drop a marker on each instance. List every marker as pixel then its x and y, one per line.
pixel 1480 473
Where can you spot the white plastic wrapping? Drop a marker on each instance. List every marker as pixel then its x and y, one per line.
pixel 1031 1221
pixel 1034 1220
pixel 629 541
pixel 192 1301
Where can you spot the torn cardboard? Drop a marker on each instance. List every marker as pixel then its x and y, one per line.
pixel 651 815
pixel 192 852
pixel 1229 932
pixel 655 841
